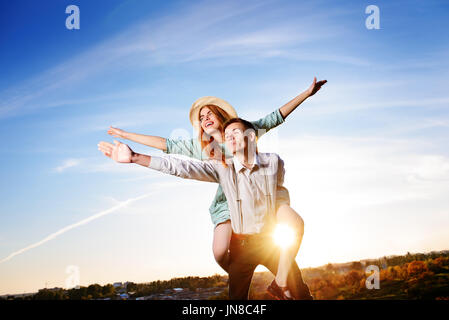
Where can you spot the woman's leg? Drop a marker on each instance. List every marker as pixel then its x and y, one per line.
pixel 285 214
pixel 220 245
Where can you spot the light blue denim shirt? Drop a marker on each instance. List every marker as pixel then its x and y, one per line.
pixel 219 209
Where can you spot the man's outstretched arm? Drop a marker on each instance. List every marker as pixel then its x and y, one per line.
pixel 187 169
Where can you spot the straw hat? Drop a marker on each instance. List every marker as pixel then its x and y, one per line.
pixel 203 101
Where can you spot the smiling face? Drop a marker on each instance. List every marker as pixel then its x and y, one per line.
pixel 237 137
pixel 209 121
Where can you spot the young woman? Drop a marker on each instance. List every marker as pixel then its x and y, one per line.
pixel 207 115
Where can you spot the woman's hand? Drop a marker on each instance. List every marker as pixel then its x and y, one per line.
pixel 116 132
pixel 315 86
pixel 290 106
pixel 118 151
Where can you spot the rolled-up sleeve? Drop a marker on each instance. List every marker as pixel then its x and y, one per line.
pixel 187 169
pixel 188 147
pixel 270 121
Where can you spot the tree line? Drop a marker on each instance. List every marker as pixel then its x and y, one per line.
pixel 411 276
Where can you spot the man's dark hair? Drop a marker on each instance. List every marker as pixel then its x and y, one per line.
pixel 246 124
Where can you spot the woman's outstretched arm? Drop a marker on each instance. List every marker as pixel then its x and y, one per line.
pixel 186 147
pixel 150 141
pixel 290 106
pixel 278 116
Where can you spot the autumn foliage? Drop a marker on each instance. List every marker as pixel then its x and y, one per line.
pixel 409 279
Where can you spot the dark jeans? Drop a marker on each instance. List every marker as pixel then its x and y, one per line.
pixel 246 253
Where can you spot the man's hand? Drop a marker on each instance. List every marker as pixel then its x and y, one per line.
pixel 116 132
pixel 119 152
pixel 315 86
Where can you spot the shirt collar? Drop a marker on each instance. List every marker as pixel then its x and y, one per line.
pixel 239 166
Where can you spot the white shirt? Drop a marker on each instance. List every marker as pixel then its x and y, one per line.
pixel 252 192
pixel 260 190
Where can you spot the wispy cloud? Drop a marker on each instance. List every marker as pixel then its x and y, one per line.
pixel 341 106
pixel 129 119
pixel 75 225
pixel 230 29
pixel 376 190
pixel 131 48
pixel 100 164
pixel 388 169
pixel 69 163
pixel 416 125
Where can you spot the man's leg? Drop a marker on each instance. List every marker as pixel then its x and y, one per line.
pixel 240 276
pixel 299 288
pixel 270 258
pixel 241 270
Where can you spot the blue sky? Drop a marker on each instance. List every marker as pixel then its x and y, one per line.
pixel 367 163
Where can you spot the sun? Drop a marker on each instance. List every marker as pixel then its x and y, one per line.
pixel 283 236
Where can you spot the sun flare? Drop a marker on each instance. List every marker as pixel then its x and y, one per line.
pixel 283 235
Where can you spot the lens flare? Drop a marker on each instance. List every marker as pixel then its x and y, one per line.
pixel 283 236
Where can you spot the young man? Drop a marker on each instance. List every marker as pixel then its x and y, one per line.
pixel 253 185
